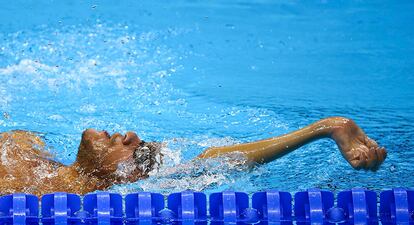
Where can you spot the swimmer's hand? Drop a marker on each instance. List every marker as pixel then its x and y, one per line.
pixel 357 148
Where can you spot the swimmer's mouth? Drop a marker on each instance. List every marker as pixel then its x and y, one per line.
pixel 107 134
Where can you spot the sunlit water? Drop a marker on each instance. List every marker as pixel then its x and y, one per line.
pixel 195 75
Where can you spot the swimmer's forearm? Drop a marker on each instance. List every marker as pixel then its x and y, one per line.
pixel 270 149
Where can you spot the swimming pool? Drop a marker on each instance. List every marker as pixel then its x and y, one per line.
pixel 196 74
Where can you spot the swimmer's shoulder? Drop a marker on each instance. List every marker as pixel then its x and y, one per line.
pixel 22 141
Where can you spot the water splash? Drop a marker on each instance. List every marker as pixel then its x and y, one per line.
pixel 60 81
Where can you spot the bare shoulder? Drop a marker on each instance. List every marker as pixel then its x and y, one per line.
pixel 23 142
pixel 25 166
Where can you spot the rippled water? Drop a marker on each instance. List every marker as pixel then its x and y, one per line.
pixel 195 75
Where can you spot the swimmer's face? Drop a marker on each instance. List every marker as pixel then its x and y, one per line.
pixel 102 154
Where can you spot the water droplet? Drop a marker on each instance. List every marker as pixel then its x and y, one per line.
pixel 231 26
pixel 393 168
pixel 6 115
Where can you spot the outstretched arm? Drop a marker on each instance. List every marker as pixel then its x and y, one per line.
pixel 358 149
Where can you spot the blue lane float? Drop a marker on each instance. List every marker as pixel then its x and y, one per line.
pixel 273 207
pixel 188 207
pixel 359 206
pixel 397 206
pixel 143 208
pixel 61 209
pixel 19 209
pixel 103 209
pixel 228 207
pixel 314 206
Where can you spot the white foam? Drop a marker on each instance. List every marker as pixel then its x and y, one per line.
pixel 125 168
pixel 215 142
pixel 88 108
pixel 4 152
pixel 56 117
pixel 27 66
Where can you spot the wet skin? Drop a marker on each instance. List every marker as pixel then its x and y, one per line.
pixel 100 154
pixel 25 167
pixel 356 147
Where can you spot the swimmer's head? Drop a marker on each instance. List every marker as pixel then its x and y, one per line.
pixel 110 157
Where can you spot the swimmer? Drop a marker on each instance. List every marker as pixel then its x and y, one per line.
pixel 26 167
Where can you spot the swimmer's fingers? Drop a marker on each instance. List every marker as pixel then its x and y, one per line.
pixel 381 155
pixel 368 159
pixel 382 152
pixel 359 160
pixel 372 159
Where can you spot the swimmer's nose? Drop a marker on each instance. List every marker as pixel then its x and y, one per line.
pixel 131 138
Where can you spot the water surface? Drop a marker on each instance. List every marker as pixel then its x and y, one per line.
pixel 196 74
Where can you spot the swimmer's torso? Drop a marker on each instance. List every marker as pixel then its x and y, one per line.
pixel 26 167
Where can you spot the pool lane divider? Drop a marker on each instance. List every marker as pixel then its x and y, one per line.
pixel 314 206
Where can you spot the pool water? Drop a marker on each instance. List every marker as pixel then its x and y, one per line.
pixel 198 74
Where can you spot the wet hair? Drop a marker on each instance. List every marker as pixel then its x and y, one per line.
pixel 148 156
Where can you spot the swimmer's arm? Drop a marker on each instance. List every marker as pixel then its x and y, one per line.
pixel 267 150
pixel 359 150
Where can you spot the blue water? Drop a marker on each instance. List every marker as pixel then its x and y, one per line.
pixel 197 74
